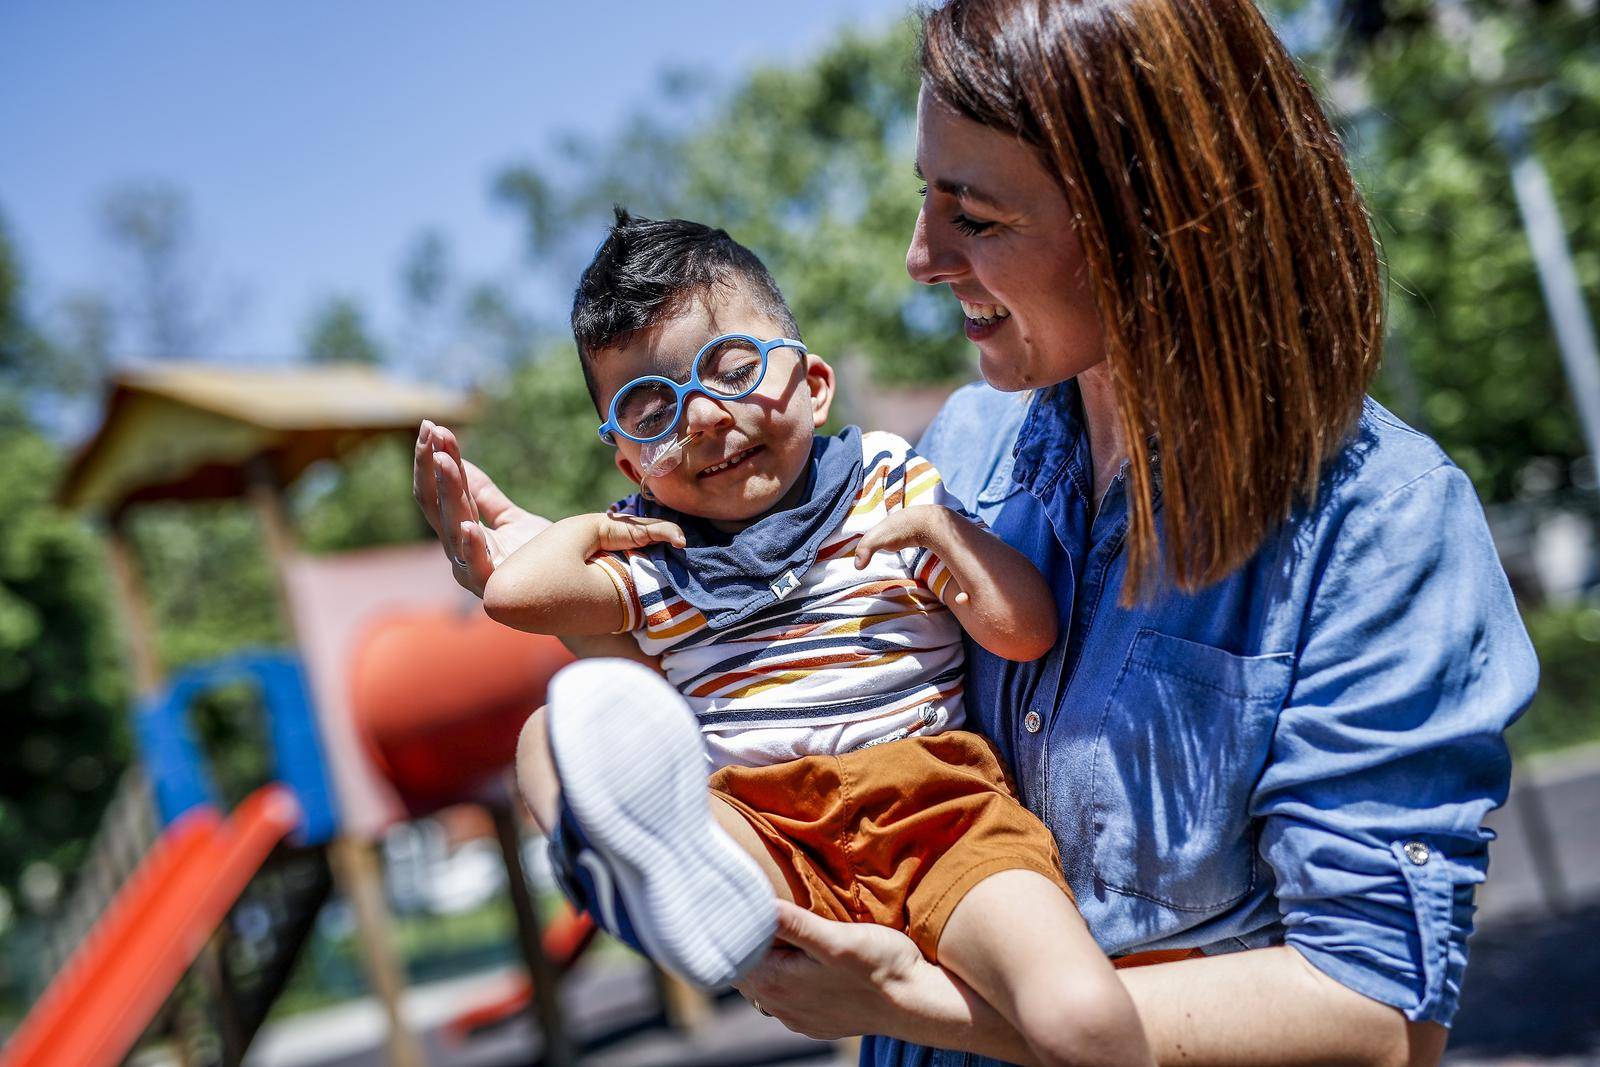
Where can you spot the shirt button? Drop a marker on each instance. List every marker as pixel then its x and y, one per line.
pixel 1031 722
pixel 1417 852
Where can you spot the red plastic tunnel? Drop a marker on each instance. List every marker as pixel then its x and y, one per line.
pixel 440 698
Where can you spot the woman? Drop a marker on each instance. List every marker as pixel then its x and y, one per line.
pixel 1272 726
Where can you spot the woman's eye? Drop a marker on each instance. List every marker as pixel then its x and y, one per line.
pixel 970 226
pixel 965 223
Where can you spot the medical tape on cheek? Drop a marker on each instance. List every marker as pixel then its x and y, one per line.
pixel 660 458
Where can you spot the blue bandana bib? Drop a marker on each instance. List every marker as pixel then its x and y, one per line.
pixel 730 576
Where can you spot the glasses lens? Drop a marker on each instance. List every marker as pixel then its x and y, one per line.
pixel 646 410
pixel 732 368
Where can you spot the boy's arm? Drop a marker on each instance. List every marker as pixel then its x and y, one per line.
pixel 998 596
pixel 551 586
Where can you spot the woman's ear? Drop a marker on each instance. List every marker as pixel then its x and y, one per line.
pixel 819 379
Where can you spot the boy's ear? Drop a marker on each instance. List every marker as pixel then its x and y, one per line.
pixel 819 379
pixel 629 471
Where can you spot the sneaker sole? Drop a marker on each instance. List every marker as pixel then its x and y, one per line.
pixel 633 770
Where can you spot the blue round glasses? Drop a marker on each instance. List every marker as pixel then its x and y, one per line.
pixel 729 367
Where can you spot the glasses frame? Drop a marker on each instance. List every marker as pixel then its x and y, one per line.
pixel 681 391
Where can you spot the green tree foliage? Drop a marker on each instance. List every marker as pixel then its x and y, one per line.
pixel 810 165
pixel 60 680
pixel 338 333
pixel 1467 316
pixel 19 344
pixel 536 437
pixel 361 501
pixel 365 498
pixel 29 362
pixel 210 586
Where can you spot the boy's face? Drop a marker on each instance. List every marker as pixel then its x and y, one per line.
pixel 767 434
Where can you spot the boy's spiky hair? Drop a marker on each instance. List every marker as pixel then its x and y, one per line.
pixel 647 269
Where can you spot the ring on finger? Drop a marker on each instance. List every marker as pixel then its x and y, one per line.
pixel 756 1004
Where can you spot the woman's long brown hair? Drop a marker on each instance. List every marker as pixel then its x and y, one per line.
pixel 1235 271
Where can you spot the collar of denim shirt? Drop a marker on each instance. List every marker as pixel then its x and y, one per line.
pixel 1053 444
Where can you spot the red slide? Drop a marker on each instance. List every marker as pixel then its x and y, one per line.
pixel 117 980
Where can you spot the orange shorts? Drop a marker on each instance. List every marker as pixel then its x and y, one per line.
pixel 895 834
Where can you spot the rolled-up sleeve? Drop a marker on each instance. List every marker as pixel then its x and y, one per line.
pixel 1389 751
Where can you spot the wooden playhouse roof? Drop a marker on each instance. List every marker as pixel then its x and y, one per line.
pixel 193 431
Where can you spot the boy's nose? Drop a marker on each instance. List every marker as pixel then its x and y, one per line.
pixel 702 414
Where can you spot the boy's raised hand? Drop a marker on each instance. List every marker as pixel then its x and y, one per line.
pixel 618 533
pixel 477 524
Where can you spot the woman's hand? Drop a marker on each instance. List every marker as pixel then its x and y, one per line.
pixel 847 979
pixel 478 525
pixel 838 979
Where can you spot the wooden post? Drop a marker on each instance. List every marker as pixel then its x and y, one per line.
pixel 686 1008
pixel 355 866
pixel 359 878
pixel 542 974
pixel 137 627
pixel 144 660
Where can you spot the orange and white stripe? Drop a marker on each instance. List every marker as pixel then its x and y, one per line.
pixel 849 657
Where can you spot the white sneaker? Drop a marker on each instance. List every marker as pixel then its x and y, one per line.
pixel 633 775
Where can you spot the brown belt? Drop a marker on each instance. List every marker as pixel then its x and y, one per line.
pixel 1164 955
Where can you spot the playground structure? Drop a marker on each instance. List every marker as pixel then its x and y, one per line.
pixel 399 699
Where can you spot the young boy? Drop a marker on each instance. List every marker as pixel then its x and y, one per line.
pixel 806 598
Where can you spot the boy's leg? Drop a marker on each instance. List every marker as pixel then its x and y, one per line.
pixel 536 772
pixel 629 807
pixel 1019 942
pixel 541 791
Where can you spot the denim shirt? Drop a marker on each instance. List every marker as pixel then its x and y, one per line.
pixel 1301 753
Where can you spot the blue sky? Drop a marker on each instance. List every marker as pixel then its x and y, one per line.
pixel 315 140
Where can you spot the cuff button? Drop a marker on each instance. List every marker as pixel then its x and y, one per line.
pixel 1417 852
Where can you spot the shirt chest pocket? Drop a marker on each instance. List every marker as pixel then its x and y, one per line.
pixel 1183 737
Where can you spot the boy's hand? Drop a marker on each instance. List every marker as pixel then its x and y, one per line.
pixel 915 527
pixel 454 496
pixel 618 533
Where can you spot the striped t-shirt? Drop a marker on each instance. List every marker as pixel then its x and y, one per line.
pixel 846 659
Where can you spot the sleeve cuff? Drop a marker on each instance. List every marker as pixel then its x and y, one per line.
pixel 616 568
pixel 1415 967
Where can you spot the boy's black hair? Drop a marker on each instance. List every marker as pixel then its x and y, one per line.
pixel 647 269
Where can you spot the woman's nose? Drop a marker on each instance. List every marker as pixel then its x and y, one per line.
pixel 931 259
pixel 703 414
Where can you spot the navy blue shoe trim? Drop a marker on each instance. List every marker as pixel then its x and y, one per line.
pixel 583 876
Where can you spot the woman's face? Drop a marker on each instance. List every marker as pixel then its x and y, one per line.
pixel 996 229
